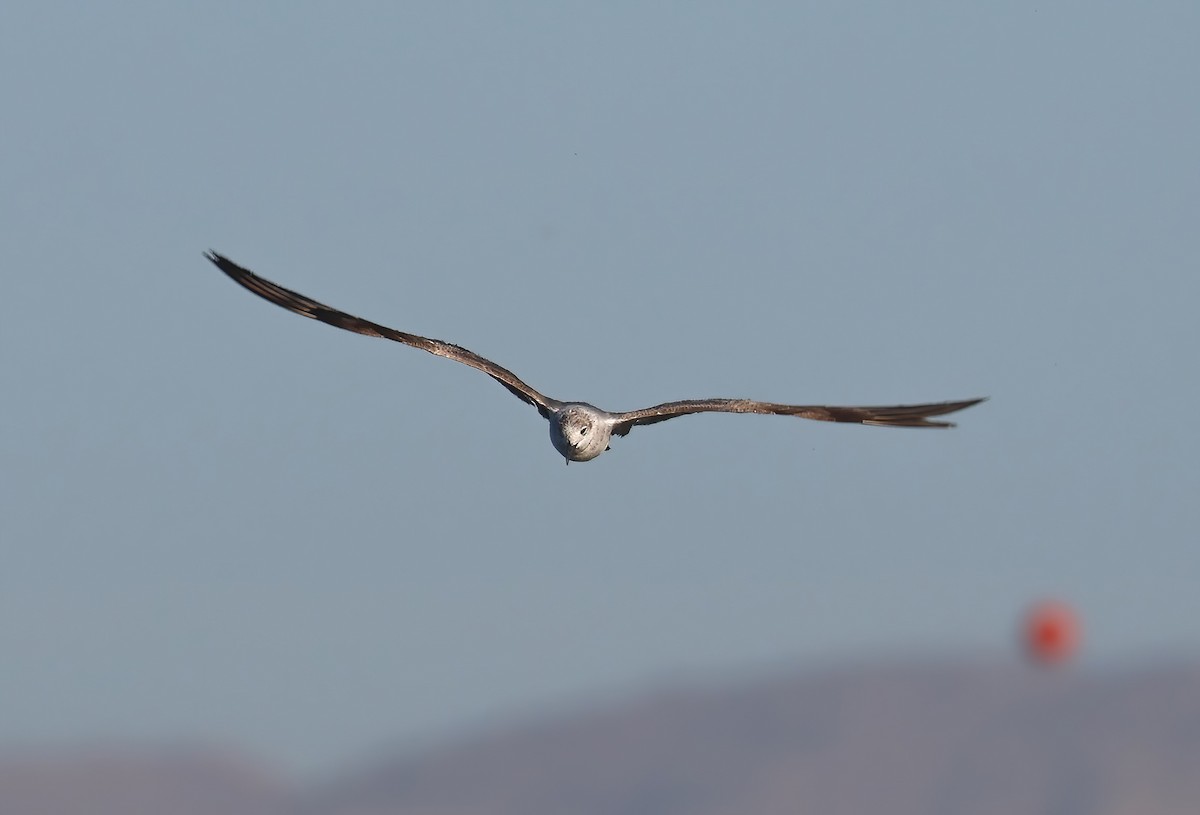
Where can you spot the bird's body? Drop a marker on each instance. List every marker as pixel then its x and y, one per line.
pixel 580 431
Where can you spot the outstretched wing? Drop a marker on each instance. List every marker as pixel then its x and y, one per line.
pixel 894 416
pixel 302 305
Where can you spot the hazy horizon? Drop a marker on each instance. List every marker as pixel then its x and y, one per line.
pixel 917 736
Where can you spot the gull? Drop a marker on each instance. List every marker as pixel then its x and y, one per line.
pixel 580 431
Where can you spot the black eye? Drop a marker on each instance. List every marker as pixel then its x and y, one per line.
pixel 583 431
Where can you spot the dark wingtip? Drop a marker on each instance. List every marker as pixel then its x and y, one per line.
pixel 919 415
pixel 225 264
pixel 951 407
pixel 966 403
pixel 956 406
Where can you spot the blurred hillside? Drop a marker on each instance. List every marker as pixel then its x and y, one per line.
pixel 901 739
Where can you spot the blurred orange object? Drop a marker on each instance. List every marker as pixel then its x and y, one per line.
pixel 1050 632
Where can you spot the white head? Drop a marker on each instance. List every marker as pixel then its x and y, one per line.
pixel 579 432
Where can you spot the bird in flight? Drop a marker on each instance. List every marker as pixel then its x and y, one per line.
pixel 580 431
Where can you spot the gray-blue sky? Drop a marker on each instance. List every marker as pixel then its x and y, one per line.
pixel 220 520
